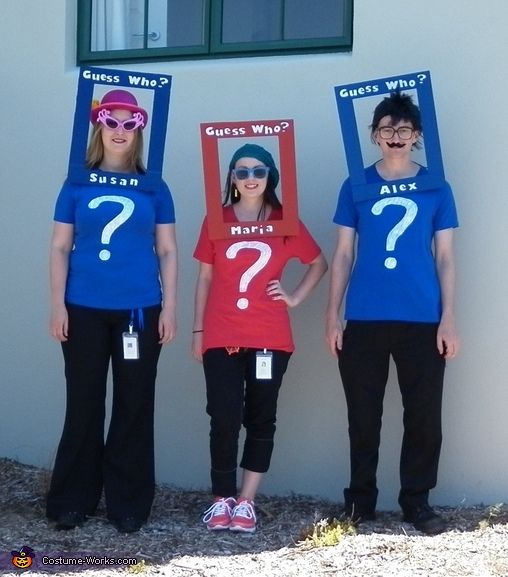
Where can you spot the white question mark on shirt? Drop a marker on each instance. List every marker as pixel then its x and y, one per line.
pixel 265 252
pixel 115 223
pixel 399 229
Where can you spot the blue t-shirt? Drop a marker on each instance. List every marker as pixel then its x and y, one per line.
pixel 113 264
pixel 394 277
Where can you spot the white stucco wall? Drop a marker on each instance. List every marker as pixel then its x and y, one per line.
pixel 463 44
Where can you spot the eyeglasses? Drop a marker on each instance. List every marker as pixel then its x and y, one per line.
pixel 137 120
pixel 256 172
pixel 387 132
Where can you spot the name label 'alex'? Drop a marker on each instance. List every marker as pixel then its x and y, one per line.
pixel 396 188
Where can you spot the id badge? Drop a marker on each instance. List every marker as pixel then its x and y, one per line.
pixel 264 365
pixel 130 345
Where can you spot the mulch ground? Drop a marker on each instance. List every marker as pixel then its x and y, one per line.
pixel 175 543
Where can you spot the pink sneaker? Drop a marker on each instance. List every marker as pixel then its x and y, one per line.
pixel 218 516
pixel 243 517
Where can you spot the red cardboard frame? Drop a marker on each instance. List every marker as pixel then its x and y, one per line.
pixel 283 130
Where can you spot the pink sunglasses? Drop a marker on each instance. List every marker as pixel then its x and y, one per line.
pixel 104 117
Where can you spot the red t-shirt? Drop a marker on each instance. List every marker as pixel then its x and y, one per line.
pixel 238 311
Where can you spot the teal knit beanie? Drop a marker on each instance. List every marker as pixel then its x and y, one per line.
pixel 258 152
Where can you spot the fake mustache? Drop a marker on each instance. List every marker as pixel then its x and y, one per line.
pixel 395 145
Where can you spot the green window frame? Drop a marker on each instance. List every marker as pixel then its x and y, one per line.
pixel 213 43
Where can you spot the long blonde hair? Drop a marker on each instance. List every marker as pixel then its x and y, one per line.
pixel 95 150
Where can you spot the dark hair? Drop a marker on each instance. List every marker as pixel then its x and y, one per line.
pixel 398 107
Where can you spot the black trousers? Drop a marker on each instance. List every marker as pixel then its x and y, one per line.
pixel 123 464
pixel 236 397
pixel 364 365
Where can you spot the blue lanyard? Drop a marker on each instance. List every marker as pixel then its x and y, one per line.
pixel 141 320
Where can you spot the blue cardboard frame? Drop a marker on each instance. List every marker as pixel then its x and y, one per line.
pixel 346 95
pixel 93 80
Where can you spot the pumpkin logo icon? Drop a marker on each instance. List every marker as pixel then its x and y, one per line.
pixel 23 558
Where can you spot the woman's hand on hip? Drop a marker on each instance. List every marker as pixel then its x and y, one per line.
pixel 277 293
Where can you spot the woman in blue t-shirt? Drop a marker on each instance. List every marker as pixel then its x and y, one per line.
pixel 400 303
pixel 113 268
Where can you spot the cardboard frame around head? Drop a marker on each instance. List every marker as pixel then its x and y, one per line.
pixel 152 92
pixel 230 136
pixel 346 96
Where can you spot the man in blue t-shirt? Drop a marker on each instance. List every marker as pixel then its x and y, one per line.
pixel 400 303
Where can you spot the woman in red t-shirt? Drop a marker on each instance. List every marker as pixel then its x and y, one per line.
pixel 242 332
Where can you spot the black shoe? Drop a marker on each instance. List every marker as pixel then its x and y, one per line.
pixel 128 525
pixel 69 520
pixel 358 516
pixel 425 519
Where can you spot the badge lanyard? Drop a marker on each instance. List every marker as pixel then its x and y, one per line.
pixel 264 364
pixel 130 341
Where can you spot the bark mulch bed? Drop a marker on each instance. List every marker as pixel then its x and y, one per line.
pixel 175 542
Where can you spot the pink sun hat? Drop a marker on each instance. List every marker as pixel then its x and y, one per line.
pixel 119 100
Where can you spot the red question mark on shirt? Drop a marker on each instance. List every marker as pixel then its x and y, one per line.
pixel 265 252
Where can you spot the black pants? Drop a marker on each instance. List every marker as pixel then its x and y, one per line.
pixel 124 463
pixel 364 364
pixel 235 396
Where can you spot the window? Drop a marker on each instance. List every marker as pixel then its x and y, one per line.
pixel 123 30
